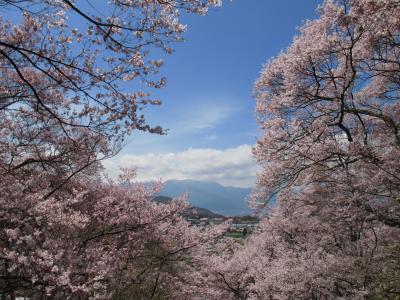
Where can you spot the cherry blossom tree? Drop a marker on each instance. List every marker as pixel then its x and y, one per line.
pixel 81 70
pixel 330 110
pixel 96 240
pixel 328 107
pixel 75 76
pixel 308 248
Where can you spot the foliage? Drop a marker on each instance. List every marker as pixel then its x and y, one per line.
pixel 66 101
pixel 329 110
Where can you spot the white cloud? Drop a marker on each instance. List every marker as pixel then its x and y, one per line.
pixel 231 167
pixel 212 137
pixel 205 117
pixel 202 117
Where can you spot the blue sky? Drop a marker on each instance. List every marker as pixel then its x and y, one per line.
pixel 207 105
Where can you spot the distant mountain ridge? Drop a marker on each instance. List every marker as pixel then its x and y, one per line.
pixel 194 212
pixel 228 201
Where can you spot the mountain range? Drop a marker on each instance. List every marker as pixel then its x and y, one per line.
pixel 225 200
pixel 192 212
